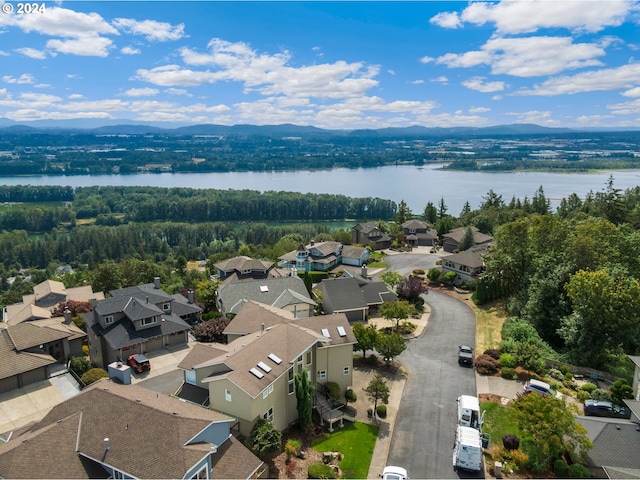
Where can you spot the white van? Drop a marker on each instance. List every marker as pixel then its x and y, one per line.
pixel 467 449
pixel 541 388
pixel 469 412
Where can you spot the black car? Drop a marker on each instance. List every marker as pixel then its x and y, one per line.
pixel 465 355
pixel 602 408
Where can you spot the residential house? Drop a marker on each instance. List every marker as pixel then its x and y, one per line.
pixel 30 351
pixel 467 265
pixel 355 256
pixel 111 430
pixel 369 233
pixel 243 267
pixel 138 319
pixel 289 293
pixel 451 240
pixel 418 233
pixel 375 293
pixel 319 257
pixel 254 375
pixel 353 296
pixel 45 297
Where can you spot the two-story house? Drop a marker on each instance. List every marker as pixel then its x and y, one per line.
pixel 323 257
pixel 369 233
pixel 467 265
pixel 253 377
pixel 418 233
pixel 451 241
pixel 242 268
pixel 111 430
pixel 138 319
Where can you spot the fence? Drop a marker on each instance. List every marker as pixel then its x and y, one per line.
pixel 584 372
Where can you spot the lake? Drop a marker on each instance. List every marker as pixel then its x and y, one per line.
pixel 414 185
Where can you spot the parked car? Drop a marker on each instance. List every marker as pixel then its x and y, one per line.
pixel 465 355
pixel 603 408
pixel 541 388
pixel 394 473
pixel 139 362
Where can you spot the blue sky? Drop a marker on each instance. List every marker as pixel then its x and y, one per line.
pixel 343 65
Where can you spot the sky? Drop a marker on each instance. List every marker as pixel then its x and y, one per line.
pixel 337 65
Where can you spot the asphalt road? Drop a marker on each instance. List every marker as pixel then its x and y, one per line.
pixel 425 424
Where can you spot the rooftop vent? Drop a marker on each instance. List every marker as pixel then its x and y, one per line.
pixel 256 372
pixel 274 358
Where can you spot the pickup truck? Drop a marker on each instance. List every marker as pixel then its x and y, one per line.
pixel 465 355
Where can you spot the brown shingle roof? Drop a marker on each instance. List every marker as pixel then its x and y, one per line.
pixel 15 362
pixel 241 263
pixel 26 335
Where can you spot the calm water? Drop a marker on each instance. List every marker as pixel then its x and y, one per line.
pixel 415 185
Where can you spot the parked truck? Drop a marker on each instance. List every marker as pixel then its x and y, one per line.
pixel 469 412
pixel 467 449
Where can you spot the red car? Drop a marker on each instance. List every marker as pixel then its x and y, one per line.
pixel 139 362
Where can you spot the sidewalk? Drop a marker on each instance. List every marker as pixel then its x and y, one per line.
pixel 396 382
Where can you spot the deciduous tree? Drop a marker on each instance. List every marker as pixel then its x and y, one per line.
pixel 366 337
pixel 377 390
pixel 390 346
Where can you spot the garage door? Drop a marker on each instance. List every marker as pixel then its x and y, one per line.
pixel 8 384
pixel 154 344
pixel 179 338
pixel 34 376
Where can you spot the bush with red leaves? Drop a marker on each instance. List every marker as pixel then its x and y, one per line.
pixel 493 353
pixel 486 365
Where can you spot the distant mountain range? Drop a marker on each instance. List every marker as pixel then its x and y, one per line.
pixel 124 127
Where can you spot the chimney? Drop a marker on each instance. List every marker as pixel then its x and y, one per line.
pixel 262 327
pixel 190 296
pixel 94 303
pixel 312 243
pixel 156 283
pixel 67 316
pixel 363 271
pixel 147 298
pixel 106 445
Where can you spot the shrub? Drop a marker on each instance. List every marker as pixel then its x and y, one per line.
pixel 448 278
pixel 264 438
pixel 588 387
pixel 583 395
pixel 511 442
pixel 381 411
pixel 333 391
pixel 79 365
pixel 600 394
pixel 418 271
pixel 520 459
pixel 434 274
pixel 94 375
pixel 350 395
pixel 291 448
pixel 508 373
pixel 320 470
pixel 495 354
pixel 560 468
pixel 556 374
pixel 578 470
pixel 570 384
pixel 85 350
pixel 486 365
pixel 507 360
pixel 290 468
pixel 564 369
pixel 372 359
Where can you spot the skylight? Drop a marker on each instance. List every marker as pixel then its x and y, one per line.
pixel 264 288
pixel 325 332
pixel 264 367
pixel 256 372
pixel 341 331
pixel 274 358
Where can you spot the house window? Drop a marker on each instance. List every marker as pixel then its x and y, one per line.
pixel 166 307
pixel 290 380
pixel 117 474
pixel 202 473
pixel 227 395
pixel 322 374
pixel 291 388
pixel 346 370
pixel 309 357
pixel 108 320
pixel 267 391
pixel 148 321
pixel 269 415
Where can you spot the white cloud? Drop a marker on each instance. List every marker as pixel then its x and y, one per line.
pixel 441 79
pixel 23 79
pixel 129 50
pixel 75 96
pixel 478 84
pixel 594 120
pixel 65 23
pixel 534 116
pixel 177 91
pixel 141 92
pixel 626 76
pixel 632 92
pixel 391 72
pixel 3 53
pixel 479 110
pixel 447 20
pixel 4 94
pixel 27 115
pixel 528 57
pixel 88 46
pixel 417 82
pixel 427 59
pixel 518 16
pixel 625 108
pixel 32 53
pixel 267 74
pixel 151 29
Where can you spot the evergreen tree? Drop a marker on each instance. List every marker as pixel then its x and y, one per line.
pixel 430 214
pixel 304 397
pixel 404 213
pixel 467 241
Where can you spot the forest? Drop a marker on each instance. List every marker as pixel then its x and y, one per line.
pixel 569 279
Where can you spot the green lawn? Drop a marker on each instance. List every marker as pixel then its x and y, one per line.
pixel 377 265
pixel 498 422
pixel 356 441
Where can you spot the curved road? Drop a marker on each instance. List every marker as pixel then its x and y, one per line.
pixel 425 424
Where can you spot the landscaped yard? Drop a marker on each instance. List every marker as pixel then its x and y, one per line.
pixel 356 441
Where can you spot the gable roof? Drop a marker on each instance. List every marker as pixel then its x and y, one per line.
pixel 478 237
pixel 615 442
pixel 365 227
pixel 352 251
pixel 242 263
pixel 344 293
pixel 467 258
pixel 268 291
pixel 150 436
pixel 15 362
pixel 26 335
pixel 416 224
pixel 377 293
pixel 48 286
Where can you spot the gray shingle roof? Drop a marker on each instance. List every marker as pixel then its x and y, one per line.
pixel 616 443
pixel 233 294
pixel 344 293
pixel 242 263
pixel 377 292
pixel 467 258
pixel 148 435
